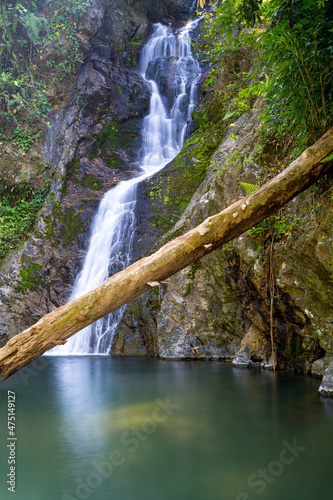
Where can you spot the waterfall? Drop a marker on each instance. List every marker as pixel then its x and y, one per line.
pixel 165 55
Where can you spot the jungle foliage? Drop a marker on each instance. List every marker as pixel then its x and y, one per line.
pixel 294 65
pixel 34 33
pixel 18 210
pixel 39 47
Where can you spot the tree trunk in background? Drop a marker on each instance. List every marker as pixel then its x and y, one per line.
pixel 57 326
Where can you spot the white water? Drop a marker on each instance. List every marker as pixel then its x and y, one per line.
pixel 164 129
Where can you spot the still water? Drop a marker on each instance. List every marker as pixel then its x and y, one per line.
pixel 96 427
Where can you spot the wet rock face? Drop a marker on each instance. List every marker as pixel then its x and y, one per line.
pixel 136 337
pixel 167 75
pixel 189 320
pixel 105 91
pixel 165 10
pixel 92 20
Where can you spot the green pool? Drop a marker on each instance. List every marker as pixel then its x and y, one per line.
pixel 95 427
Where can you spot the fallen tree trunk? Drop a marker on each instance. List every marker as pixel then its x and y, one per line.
pixel 57 326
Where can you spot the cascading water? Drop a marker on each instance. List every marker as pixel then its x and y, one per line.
pixel 171 105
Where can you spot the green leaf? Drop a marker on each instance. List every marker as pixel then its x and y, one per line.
pixel 229 36
pixel 328 158
pixel 229 114
pixel 249 188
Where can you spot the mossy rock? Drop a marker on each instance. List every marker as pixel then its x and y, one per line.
pixel 116 137
pixel 71 225
pixel 90 181
pixel 30 276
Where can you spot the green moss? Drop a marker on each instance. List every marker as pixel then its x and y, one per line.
pixel 108 135
pixel 293 349
pixel 50 221
pixel 56 208
pixel 193 269
pixel 90 181
pixel 73 167
pixel 162 221
pixel 114 160
pixel 30 276
pixel 155 305
pixel 49 228
pixel 154 299
pixel 114 136
pixel 188 289
pixel 173 235
pixel 71 225
pixel 134 49
pixel 306 355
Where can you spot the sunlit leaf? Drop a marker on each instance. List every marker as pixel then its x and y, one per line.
pixel 328 158
pixel 249 188
pixel 229 36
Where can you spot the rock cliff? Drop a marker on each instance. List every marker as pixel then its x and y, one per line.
pixel 91 144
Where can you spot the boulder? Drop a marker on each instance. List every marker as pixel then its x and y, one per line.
pixel 326 386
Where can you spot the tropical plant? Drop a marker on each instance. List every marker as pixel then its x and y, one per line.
pixel 24 32
pixel 28 32
pixel 18 210
pixel 294 40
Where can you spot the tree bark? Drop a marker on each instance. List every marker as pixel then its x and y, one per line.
pixel 57 326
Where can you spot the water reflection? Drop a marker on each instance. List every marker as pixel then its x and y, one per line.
pixel 328 406
pixel 189 430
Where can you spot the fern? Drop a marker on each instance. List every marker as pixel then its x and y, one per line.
pixel 249 188
pixel 34 25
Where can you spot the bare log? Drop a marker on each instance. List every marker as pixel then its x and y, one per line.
pixel 56 327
